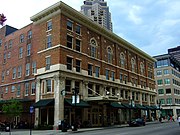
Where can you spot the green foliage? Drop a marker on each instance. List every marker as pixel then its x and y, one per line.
pixel 12 108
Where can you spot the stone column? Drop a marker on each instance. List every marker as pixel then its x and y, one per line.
pixel 148 99
pixel 85 89
pixel 140 98
pixel 38 93
pixel 59 100
pixel 94 89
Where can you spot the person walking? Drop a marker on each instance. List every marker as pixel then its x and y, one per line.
pixel 178 120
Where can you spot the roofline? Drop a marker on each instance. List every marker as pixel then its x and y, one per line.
pixel 70 12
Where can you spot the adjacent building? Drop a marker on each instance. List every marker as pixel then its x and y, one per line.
pixel 175 52
pixel 98 11
pixel 167 76
pixel 63 53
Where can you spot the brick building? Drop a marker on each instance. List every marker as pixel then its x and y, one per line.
pixel 17 68
pixel 72 53
pixel 107 71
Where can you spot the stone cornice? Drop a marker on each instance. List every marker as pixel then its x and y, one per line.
pixel 79 17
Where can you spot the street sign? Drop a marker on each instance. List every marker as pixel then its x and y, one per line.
pixel 31 109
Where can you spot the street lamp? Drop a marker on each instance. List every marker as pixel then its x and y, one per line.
pixel 75 100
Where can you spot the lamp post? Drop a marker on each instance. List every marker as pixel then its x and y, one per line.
pixel 74 101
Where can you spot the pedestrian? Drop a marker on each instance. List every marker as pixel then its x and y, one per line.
pixel 178 120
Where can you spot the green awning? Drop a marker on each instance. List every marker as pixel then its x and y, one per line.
pixel 44 103
pixel 126 105
pixel 80 104
pixel 154 107
pixel 140 106
pixel 117 105
pixel 149 107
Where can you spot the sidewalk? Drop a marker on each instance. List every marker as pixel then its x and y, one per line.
pixel 59 132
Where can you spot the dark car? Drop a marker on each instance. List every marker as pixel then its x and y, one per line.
pixel 137 122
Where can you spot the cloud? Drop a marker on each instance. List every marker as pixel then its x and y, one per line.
pixel 133 14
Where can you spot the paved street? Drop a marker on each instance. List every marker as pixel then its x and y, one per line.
pixel 170 128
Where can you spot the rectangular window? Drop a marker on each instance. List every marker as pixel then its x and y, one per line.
pixel 0 42
pixel 78 29
pixel 48 85
pixel 125 79
pixel 167 81
pixel 27 69
pixel 107 74
pixel 3 76
pixel 159 72
pixel 97 70
pixel 168 91
pixel 159 82
pixel 121 77
pixel 69 25
pixel 49 41
pixel 169 101
pixel 21 38
pixel 26 89
pixel 10 43
pixel 5 58
pixel 13 88
pixel 33 88
pixel 9 54
pixel 137 96
pixel 162 101
pixel 28 49
pixel 69 41
pixel 78 45
pixel 7 89
pixel 90 88
pixel 160 91
pixel 19 71
pixel 90 69
pixel 48 63
pixel 18 90
pixel 78 65
pixel 29 34
pixel 113 76
pixel 20 52
pixel 69 63
pixel 49 25
pixel 14 73
pixel 166 71
pixel 68 85
pixel 34 67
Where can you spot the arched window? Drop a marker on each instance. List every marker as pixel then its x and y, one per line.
pixel 109 51
pixel 142 69
pixel 133 64
pixel 93 48
pixel 122 60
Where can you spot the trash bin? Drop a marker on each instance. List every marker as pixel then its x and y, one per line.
pixel 63 126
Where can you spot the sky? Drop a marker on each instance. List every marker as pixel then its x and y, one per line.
pixel 151 25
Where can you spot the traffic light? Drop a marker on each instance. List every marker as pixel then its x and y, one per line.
pixel 2 19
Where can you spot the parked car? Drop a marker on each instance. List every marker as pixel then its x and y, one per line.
pixel 137 122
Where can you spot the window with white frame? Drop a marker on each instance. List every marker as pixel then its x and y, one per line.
pixel 7 89
pixel 21 38
pixel 19 71
pixel 48 63
pixel 69 25
pixel 69 41
pixel 93 48
pixel 49 41
pixel 27 69
pixel 142 68
pixel 113 75
pixel 14 73
pixel 78 29
pixel 166 71
pixel 166 81
pixel 26 89
pixel 69 63
pixel 97 71
pixel 78 65
pixel 133 65
pixel 13 88
pixel 107 74
pixel 49 25
pixel 28 49
pixel 122 60
pixel 109 52
pixel 159 72
pixel 90 69
pixel 29 34
pixel 18 90
pixel 48 85
pixel 34 67
pixel 20 52
pixel 33 88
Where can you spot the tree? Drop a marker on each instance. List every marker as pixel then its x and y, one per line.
pixel 2 19
pixel 12 109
